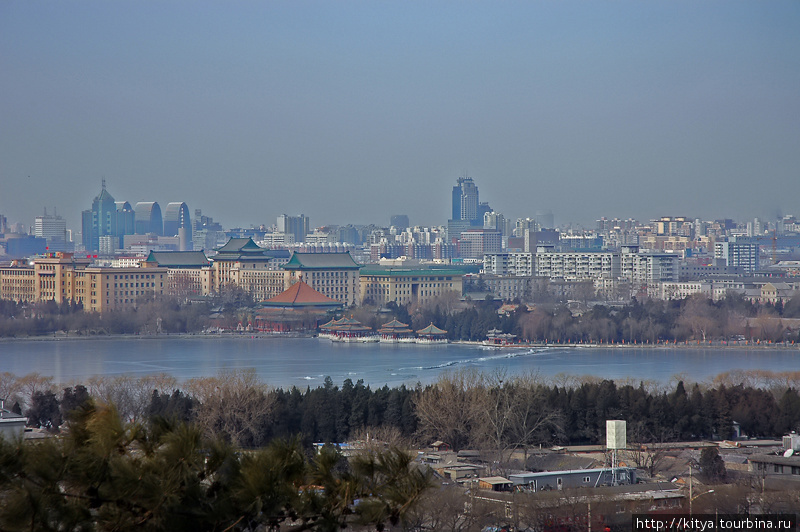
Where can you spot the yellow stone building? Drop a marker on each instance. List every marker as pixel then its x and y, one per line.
pixel 62 277
pixel 382 284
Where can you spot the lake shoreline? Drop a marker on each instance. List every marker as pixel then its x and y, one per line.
pixel 532 345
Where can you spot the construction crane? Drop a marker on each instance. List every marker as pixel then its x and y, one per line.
pixel 774 246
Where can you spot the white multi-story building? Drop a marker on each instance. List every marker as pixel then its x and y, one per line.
pixel 53 228
pixel 738 254
pixel 648 268
pixel 684 289
pixel 509 264
pixel 576 265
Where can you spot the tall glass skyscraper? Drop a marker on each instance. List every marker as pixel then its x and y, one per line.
pixel 100 220
pixel 465 201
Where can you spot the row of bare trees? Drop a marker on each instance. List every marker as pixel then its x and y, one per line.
pixel 150 316
pixel 491 411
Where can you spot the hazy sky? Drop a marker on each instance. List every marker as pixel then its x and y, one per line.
pixel 351 111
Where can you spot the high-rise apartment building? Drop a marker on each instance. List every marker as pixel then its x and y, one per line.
pixel 299 226
pixel 738 254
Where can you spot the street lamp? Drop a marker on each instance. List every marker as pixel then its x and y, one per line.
pixel 692 498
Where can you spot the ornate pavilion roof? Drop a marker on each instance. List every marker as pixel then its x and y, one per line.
pixel 301 294
pixel 245 248
pixel 432 329
pixel 394 327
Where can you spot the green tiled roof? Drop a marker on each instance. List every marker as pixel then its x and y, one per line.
pixel 245 248
pixel 432 329
pixel 321 261
pixel 179 259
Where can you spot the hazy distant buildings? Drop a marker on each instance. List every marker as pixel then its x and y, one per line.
pixel 297 226
pixel 126 221
pixel 207 233
pixel 53 229
pixel 400 221
pixel 176 217
pixel 465 200
pixel 405 284
pixel 100 220
pixel 467 211
pixel 106 224
pixel 240 262
pixel 148 218
pixel 475 243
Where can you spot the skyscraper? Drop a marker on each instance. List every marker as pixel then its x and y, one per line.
pixel 148 218
pixel 465 201
pixel 100 220
pixel 176 216
pixel 467 210
pixel 53 228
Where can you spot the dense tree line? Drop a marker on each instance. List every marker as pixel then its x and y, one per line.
pixel 465 409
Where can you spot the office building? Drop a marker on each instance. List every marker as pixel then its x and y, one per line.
pixel 100 220
pixel 176 217
pixel 148 218
pixel 475 243
pixel 407 284
pixel 739 254
pixel 332 274
pixel 297 226
pixel 62 277
pixel 256 270
pixel 53 229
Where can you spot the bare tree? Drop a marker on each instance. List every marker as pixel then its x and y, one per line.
pixel 32 383
pixel 449 409
pixel 532 421
pixel 646 450
pixel 235 405
pixel 449 508
pixel 130 395
pixel 10 388
pixel 700 316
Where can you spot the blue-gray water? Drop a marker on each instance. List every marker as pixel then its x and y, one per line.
pixel 286 362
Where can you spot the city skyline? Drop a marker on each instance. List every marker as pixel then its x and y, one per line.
pixel 350 113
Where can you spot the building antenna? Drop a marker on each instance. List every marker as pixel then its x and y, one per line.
pixel 104 183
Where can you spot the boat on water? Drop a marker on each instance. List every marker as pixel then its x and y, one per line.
pixel 497 338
